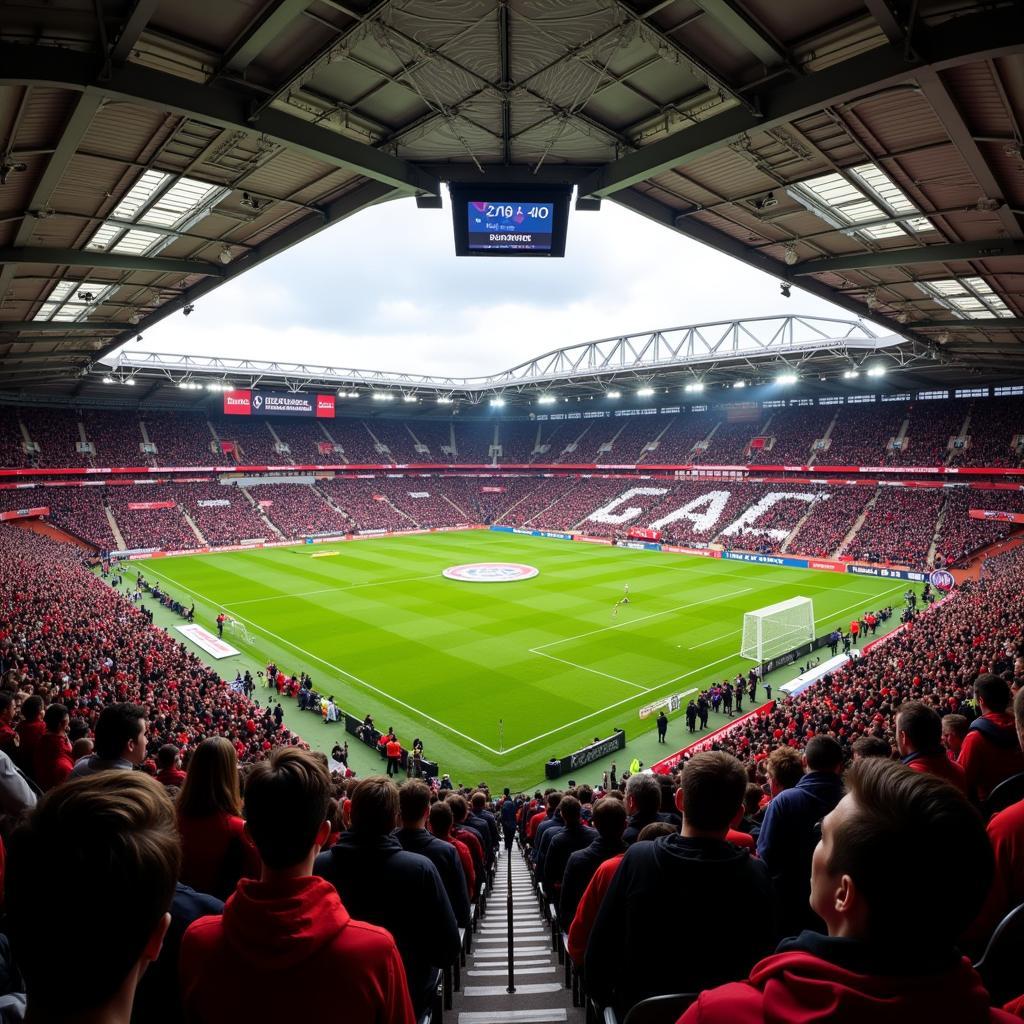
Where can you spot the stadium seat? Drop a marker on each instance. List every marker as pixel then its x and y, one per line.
pixel 656 1010
pixel 1000 966
pixel 1008 792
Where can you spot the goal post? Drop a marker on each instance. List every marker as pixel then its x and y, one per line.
pixel 777 628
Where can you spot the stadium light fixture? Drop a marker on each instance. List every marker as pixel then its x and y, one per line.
pixel 383 396
pixel 645 392
pixel 130 382
pixel 613 394
pixel 108 380
pixel 851 374
pixel 497 403
pixel 876 371
pixel 546 400
pixel 786 378
pixel 409 398
pixel 739 384
pixel 695 385
pixel 188 310
pixel 443 400
pixel 784 288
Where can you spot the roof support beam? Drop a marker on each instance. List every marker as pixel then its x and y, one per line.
pixel 984 324
pixel 212 103
pixel 882 12
pixel 74 131
pixel 107 261
pixel 132 30
pixel 745 31
pixel 952 252
pixel 269 24
pixel 368 194
pixel 59 326
pixel 952 120
pixel 700 232
pixel 956 41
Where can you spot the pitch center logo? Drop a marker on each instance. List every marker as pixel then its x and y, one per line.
pixel 490 572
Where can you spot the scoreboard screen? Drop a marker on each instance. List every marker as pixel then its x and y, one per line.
pixel 510 221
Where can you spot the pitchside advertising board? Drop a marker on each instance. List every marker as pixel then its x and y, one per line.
pixel 277 403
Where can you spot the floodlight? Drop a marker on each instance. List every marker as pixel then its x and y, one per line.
pixel 876 371
pixel 786 378
pixel 645 392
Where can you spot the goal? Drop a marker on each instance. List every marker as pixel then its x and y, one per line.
pixel 778 628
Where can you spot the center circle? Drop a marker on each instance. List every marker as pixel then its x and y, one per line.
pixel 490 572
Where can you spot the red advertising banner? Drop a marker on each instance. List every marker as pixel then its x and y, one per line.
pixel 492 490
pixel 238 403
pixel 758 443
pixel 325 407
pixel 26 513
pixel 668 764
pixel 1000 517
pixel 227 447
pixel 639 533
pixel 148 506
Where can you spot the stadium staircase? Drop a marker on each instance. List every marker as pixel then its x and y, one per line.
pixel 848 539
pixel 114 528
pixel 193 526
pixel 936 533
pixel 540 975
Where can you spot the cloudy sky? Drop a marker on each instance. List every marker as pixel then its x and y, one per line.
pixel 383 290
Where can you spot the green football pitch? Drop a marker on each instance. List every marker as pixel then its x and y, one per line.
pixel 496 678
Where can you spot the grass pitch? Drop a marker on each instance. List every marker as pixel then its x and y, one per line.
pixel 496 678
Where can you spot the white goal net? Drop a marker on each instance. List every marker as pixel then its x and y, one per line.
pixel 770 631
pixel 237 629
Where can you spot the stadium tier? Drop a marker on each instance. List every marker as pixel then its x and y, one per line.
pixel 956 432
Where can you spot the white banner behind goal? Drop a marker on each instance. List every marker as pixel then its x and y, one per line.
pixel 770 631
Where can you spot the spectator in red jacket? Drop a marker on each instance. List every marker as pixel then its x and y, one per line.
pixel 168 762
pixel 52 762
pixel 285 947
pixel 30 731
pixel 117 829
pixel 8 734
pixel 990 752
pixel 1006 833
pixel 880 880
pixel 215 852
pixel 919 740
pixel 954 732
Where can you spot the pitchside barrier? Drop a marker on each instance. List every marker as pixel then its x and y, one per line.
pixel 588 755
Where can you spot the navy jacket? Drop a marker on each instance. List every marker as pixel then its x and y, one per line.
pixel 638 947
pixel 787 839
pixel 445 858
pixel 565 842
pixel 579 870
pixel 636 824
pixel 381 883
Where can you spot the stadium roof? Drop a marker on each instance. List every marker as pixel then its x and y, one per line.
pixel 870 151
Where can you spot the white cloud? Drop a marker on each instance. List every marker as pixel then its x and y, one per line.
pixel 383 290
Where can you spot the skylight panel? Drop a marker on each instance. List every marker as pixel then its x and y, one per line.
pixel 182 200
pixel 103 236
pixel 139 194
pixel 137 241
pixel 64 302
pixel 971 298
pixel 858 200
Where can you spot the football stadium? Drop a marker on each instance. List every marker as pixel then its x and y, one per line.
pixel 395 625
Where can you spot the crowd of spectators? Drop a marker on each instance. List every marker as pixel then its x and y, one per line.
pixel 364 511
pixel 253 439
pixel 960 535
pixel 79 510
pixel 862 432
pixel 436 437
pixel 932 424
pixel 221 523
pixel 299 510
pixel 57 433
pixel 395 436
pixel 356 441
pixel 182 439
pixel 994 424
pixel 150 528
pixel 116 436
pixel 899 527
pixel 303 438
pixel 518 438
pixel 729 445
pixel 795 429
pixel 828 523
pixel 473 442
pixel 12 451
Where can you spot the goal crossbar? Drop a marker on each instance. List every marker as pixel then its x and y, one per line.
pixel 777 628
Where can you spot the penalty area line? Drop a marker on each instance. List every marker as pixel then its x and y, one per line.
pixel 596 671
pixel 335 668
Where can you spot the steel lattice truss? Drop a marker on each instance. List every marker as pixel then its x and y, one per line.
pixel 711 353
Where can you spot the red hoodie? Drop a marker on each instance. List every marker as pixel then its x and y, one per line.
pixel 801 988
pixel 288 951
pixel 990 753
